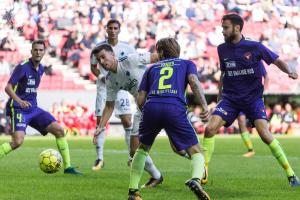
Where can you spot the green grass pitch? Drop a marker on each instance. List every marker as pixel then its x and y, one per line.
pixel 230 175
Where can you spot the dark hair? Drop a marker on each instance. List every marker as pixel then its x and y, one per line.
pixel 38 42
pixel 235 19
pixel 101 47
pixel 169 47
pixel 113 21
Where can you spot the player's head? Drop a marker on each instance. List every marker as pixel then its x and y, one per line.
pixel 113 29
pixel 105 56
pixel 168 48
pixel 232 25
pixel 38 50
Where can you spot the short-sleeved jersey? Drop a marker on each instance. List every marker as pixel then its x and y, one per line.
pixel 25 80
pixel 166 81
pixel 129 73
pixel 121 49
pixel 242 66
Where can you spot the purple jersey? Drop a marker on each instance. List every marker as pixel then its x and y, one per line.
pixel 243 69
pixel 166 81
pixel 25 80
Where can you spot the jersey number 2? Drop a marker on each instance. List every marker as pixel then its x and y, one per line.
pixel 169 74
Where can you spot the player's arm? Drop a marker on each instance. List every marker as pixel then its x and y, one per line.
pixel 10 92
pixel 143 90
pixel 143 58
pixel 220 87
pixel 283 66
pixel 107 112
pixel 199 94
pixel 141 99
pixel 16 76
pixel 93 63
pixel 94 68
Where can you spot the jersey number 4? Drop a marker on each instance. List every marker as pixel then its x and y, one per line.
pixel 168 75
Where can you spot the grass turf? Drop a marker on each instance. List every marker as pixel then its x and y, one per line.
pixel 230 175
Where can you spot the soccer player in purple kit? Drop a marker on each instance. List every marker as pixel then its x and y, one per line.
pixel 23 110
pixel 162 101
pixel 242 90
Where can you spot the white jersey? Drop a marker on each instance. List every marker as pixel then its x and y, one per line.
pixel 122 103
pixel 121 49
pixel 129 74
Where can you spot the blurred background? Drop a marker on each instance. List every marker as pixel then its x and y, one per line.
pixel 72 28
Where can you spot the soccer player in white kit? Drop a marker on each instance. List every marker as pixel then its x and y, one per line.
pixel 125 74
pixel 123 108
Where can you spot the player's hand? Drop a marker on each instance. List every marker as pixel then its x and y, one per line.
pixel 204 115
pixel 24 104
pixel 97 133
pixel 293 75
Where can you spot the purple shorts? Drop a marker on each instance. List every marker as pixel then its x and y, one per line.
pixel 36 118
pixel 229 111
pixel 173 119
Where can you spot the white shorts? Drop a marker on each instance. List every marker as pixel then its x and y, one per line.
pixel 122 104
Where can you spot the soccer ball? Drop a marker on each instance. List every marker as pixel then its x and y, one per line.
pixel 50 161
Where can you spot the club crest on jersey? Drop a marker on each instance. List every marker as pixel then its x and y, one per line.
pixel 247 55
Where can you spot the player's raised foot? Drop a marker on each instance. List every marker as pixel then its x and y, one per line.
pixel 204 179
pixel 152 182
pixel 99 164
pixel 195 186
pixel 294 181
pixel 72 170
pixel 134 195
pixel 249 154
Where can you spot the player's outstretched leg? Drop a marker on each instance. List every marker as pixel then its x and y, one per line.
pixel 279 154
pixel 277 151
pixel 16 141
pixel 156 177
pixel 63 147
pixel 137 167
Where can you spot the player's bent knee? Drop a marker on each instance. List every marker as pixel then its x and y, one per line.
pixel 59 132
pixel 193 149
pixel 127 123
pixel 210 130
pixel 16 143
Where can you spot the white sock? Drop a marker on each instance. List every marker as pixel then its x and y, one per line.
pixel 127 140
pixel 151 168
pixel 100 146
